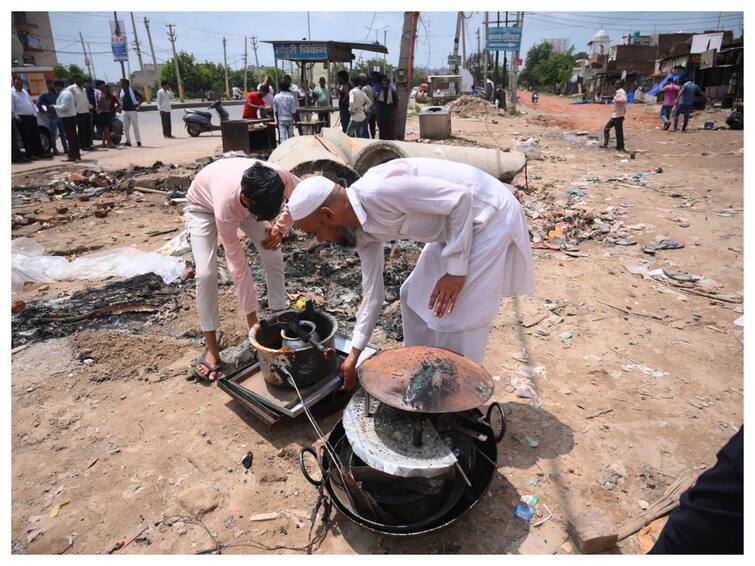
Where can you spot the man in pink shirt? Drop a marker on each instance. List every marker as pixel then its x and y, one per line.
pixel 670 91
pixel 617 117
pixel 219 201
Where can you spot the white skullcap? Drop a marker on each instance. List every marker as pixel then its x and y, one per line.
pixel 308 196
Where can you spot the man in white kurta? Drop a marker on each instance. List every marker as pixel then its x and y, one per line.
pixel 475 232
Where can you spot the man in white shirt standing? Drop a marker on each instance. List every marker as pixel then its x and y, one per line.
pixel 163 105
pixel 359 104
pixel 25 114
pixel 617 117
pixel 477 247
pixel 65 108
pixel 83 114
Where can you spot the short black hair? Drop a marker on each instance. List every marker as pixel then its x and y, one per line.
pixel 75 78
pixel 58 82
pixel 99 83
pixel 356 80
pixel 262 187
pixel 128 82
pixel 163 83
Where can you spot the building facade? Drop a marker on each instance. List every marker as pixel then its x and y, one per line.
pixel 34 31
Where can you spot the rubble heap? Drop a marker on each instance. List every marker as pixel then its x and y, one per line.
pixel 473 107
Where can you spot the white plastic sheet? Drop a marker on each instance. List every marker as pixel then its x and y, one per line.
pixel 28 263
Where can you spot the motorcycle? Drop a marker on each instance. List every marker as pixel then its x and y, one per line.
pixel 535 97
pixel 198 121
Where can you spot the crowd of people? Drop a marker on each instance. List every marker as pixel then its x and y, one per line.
pixel 367 106
pixel 79 114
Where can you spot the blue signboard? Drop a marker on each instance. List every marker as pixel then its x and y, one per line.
pixel 119 46
pixel 313 51
pixel 504 39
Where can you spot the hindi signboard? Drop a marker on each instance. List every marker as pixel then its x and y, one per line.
pixel 504 38
pixel 301 51
pixel 118 41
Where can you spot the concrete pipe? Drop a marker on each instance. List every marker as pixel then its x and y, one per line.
pixel 316 155
pixel 334 154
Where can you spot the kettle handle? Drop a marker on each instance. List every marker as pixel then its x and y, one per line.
pixel 497 406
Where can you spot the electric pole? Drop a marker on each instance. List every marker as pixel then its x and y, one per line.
pixel 254 46
pixel 151 47
pixel 86 59
pixel 139 56
pixel 459 18
pixel 515 66
pixel 172 37
pixel 385 42
pixel 117 34
pixel 309 30
pixel 246 66
pixel 463 41
pixel 485 72
pixel 91 59
pixel 225 68
pixel 404 72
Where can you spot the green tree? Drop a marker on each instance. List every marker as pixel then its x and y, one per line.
pixel 535 55
pixel 189 73
pixel 65 73
pixel 555 71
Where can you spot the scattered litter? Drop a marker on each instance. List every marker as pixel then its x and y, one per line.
pixel 264 517
pixel 532 482
pixel 228 521
pixel 56 508
pixel 523 512
pixel 644 504
pixel 533 442
pixel 621 241
pixel 200 410
pixel 662 245
pixel 578 194
pixel 248 460
pixel 740 321
pixel 177 246
pixel 656 373
pixel 34 534
pixel 566 336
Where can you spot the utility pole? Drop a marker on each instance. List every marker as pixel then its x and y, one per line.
pixel 309 30
pixel 463 41
pixel 225 68
pixel 151 47
pixel 172 37
pixel 495 69
pixel 254 46
pixel 91 59
pixel 86 59
pixel 459 18
pixel 246 66
pixel 118 34
pixel 515 67
pixel 385 42
pixel 139 56
pixel 479 54
pixel 404 78
pixel 485 72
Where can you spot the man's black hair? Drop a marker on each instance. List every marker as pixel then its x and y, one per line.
pixel 128 82
pixel 263 189
pixel 99 83
pixel 58 82
pixel 356 80
pixel 163 83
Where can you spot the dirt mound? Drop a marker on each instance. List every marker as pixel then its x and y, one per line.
pixel 472 107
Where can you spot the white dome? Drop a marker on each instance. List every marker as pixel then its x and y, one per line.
pixel 601 35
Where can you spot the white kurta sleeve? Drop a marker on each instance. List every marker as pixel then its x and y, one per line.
pixel 429 195
pixel 373 292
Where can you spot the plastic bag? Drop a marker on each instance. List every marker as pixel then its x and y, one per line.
pixel 177 246
pixel 29 264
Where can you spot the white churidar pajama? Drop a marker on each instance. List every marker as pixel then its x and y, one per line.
pixel 131 118
pixel 472 225
pixel 204 246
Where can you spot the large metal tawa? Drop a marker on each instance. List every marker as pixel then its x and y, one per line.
pixel 426 380
pixel 383 440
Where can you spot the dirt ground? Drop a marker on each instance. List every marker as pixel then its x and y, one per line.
pixel 635 379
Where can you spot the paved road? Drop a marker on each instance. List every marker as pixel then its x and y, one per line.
pixel 154 145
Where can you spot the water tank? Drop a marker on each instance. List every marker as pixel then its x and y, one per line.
pixel 435 123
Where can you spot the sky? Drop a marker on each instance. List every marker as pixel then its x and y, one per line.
pixel 201 33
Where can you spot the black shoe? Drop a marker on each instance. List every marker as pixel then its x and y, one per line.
pixel 666 127
pixel 138 144
pixel 127 144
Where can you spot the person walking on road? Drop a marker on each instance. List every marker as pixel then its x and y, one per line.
pixel 344 86
pixel 83 114
pixel 163 105
pixel 684 101
pixel 387 110
pixel 45 104
pixel 131 100
pixel 25 114
pixel 107 105
pixel 617 117
pixel 670 92
pixel 65 108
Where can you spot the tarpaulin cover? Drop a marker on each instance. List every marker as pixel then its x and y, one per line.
pixel 657 88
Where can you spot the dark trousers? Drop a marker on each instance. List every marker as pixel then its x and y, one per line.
pixel 345 119
pixel 666 116
pixel 165 119
pixel 85 130
pixel 710 515
pixel 373 124
pixel 69 127
pixel 618 124
pixel 30 136
pixel 16 154
pixel 682 109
